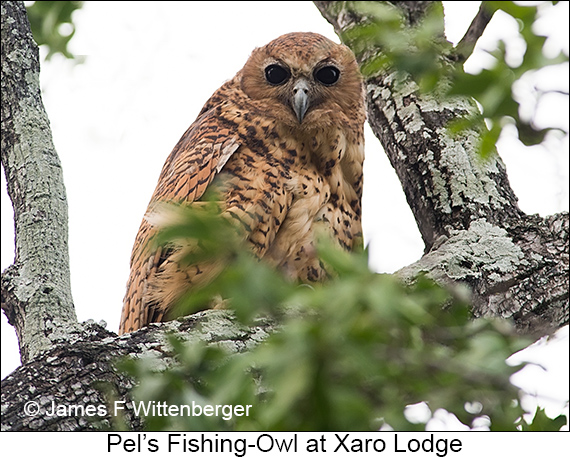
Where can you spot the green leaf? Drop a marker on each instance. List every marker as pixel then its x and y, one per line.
pixel 52 25
pixel 542 423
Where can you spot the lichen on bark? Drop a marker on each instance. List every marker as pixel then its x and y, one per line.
pixel 36 290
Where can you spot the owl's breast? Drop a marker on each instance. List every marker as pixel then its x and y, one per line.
pixel 288 189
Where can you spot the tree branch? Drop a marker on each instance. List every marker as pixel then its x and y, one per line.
pixel 36 292
pixel 515 265
pixel 81 373
pixel 445 181
pixel 465 47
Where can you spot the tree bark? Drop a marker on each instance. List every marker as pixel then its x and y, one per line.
pixel 515 265
pixel 36 291
pixel 467 44
pixel 80 376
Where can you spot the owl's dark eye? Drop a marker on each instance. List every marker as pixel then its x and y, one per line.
pixel 327 75
pixel 276 74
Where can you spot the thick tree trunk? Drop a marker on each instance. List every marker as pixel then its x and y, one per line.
pixel 36 291
pixel 516 265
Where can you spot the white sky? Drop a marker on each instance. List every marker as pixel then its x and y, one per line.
pixel 150 66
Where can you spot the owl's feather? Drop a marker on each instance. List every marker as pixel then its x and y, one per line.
pixel 289 161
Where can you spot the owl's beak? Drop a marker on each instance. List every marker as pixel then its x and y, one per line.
pixel 300 102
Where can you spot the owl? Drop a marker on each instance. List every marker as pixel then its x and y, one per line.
pixel 285 136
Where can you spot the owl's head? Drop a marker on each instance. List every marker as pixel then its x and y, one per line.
pixel 305 79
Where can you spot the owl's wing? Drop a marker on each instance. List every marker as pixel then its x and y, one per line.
pixel 200 154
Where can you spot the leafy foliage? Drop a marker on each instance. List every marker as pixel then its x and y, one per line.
pixel 52 25
pixel 349 354
pixel 386 41
pixel 542 423
pixel 492 87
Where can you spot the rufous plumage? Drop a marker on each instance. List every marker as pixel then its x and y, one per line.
pixel 285 136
